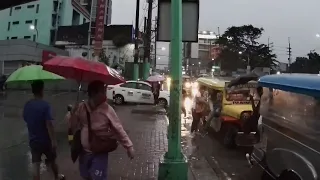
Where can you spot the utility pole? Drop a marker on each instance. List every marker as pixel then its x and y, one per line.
pixel 136 44
pixel 155 44
pixel 270 46
pixel 289 54
pixel 147 43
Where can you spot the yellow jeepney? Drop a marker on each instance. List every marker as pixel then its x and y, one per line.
pixel 236 107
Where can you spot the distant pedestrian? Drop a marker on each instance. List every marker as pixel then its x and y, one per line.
pixel 198 107
pixel 42 139
pixel 100 131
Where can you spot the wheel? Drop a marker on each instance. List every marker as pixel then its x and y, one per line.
pixel 289 175
pixel 162 102
pixel 230 133
pixel 118 99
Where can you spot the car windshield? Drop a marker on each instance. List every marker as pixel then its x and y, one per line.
pixel 238 95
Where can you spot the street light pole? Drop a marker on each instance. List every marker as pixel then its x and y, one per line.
pixel 174 166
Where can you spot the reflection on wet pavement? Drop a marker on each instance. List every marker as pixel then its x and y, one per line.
pixel 15 157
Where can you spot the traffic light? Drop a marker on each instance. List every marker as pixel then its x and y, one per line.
pixel 4 4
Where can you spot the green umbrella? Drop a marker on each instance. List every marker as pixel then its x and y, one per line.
pixel 32 73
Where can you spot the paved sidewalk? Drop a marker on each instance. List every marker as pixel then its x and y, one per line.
pixel 149 136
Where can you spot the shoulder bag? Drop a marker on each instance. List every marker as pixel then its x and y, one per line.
pixel 98 144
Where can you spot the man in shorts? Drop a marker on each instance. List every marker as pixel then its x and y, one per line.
pixel 42 140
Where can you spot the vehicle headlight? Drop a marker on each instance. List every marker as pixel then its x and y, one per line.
pixel 187 85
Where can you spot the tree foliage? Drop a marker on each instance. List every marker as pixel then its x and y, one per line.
pixel 310 64
pixel 240 46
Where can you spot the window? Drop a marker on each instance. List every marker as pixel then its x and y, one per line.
pixel 129 85
pixel 10 12
pixel 37 9
pixel 202 46
pixel 29 22
pixel 17 8
pixel 35 22
pixel 30 6
pixel 203 54
pixel 9 25
pixel 8 38
pixel 144 87
pixel 84 20
pixel 34 38
pixel 15 22
pixel 14 37
pixel 27 37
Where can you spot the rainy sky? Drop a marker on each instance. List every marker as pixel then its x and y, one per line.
pixel 299 20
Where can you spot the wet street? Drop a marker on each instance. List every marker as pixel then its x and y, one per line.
pixel 208 159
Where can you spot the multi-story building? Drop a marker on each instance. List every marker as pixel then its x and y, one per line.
pixel 39 20
pixel 206 43
pixel 92 4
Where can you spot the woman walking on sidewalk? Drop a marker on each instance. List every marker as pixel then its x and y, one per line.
pixel 100 131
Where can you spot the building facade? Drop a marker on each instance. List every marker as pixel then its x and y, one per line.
pixel 17 52
pixel 92 4
pixel 44 16
pixel 203 49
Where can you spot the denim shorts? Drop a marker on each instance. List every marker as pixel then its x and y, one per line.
pixel 94 166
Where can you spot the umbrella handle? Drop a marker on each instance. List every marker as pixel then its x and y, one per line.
pixel 79 89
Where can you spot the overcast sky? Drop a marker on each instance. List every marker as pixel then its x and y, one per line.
pixel 299 20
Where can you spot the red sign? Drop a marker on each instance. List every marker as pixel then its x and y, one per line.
pixel 215 52
pixel 99 31
pixel 46 55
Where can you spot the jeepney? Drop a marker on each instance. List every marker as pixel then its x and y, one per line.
pixel 289 146
pixel 236 108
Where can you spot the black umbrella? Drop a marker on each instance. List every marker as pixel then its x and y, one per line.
pixel 253 76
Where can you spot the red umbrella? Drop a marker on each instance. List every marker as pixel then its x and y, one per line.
pixel 82 70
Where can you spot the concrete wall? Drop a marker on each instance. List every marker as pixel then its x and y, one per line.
pixel 14 52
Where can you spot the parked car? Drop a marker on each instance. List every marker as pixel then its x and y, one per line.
pixel 135 92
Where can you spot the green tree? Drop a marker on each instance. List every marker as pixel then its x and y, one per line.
pixel 240 46
pixel 310 64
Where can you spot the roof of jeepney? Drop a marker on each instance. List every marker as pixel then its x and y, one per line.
pixel 212 82
pixel 308 84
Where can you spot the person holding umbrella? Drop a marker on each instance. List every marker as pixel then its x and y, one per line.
pixel 38 117
pixel 42 139
pixel 100 131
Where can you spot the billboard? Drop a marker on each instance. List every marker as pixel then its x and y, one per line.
pixel 215 51
pixel 4 4
pixel 99 30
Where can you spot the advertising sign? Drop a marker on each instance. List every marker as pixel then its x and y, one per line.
pixel 215 52
pixel 99 30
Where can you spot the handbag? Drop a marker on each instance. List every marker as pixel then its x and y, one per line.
pixel 76 146
pixel 98 144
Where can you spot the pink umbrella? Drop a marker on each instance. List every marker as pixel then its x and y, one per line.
pixel 156 78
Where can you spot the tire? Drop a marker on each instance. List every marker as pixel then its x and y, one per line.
pixel 162 102
pixel 230 132
pixel 118 99
pixel 289 175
